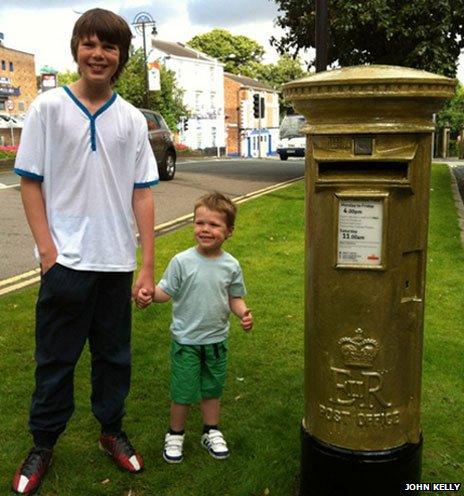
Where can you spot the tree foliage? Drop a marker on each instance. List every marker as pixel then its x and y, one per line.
pixel 424 34
pixel 220 44
pixel 237 53
pixel 68 77
pixel 286 69
pixel 452 114
pixel 167 101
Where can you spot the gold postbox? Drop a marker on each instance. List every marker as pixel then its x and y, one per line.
pixel 368 161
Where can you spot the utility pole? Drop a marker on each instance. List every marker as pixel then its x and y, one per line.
pixel 321 35
pixel 259 125
pixel 141 21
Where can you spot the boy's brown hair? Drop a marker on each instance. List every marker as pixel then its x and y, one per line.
pixel 106 26
pixel 219 203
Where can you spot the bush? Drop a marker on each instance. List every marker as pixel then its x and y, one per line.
pixel 180 147
pixel 7 152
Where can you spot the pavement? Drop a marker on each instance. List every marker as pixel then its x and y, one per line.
pixel 457 176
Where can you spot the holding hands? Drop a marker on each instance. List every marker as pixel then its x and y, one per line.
pixel 143 298
pixel 246 320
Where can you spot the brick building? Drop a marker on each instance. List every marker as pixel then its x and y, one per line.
pixel 17 80
pixel 248 136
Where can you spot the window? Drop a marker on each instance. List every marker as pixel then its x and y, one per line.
pixel 21 106
pixel 2 105
pixel 152 122
pixel 198 97
pixel 3 65
pixel 11 67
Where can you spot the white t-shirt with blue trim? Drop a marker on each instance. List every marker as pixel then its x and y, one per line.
pixel 89 166
pixel 200 288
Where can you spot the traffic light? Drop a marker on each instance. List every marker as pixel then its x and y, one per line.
pixel 256 105
pixel 262 107
pixel 186 124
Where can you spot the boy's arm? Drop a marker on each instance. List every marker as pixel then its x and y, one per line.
pixel 240 309
pixel 144 299
pixel 34 207
pixel 144 212
pixel 160 296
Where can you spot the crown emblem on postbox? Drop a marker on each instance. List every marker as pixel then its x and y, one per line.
pixel 359 351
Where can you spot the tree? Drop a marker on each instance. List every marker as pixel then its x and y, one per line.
pixel 452 114
pixel 286 69
pixel 167 101
pixel 247 60
pixel 68 77
pixel 238 53
pixel 425 34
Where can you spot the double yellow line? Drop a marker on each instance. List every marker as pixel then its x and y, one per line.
pixel 19 281
pixel 33 276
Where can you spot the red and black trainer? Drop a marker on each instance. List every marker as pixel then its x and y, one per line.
pixel 29 475
pixel 121 450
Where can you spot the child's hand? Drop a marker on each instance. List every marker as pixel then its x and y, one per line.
pixel 143 298
pixel 247 320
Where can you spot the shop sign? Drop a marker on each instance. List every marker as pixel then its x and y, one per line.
pixel 9 91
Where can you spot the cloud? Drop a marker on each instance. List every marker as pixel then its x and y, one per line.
pixel 160 10
pixel 39 4
pixel 227 13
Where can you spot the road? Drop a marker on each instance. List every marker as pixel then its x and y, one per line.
pixel 173 199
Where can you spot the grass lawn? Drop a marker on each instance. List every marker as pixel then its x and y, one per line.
pixel 263 402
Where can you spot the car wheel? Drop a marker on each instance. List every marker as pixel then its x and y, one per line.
pixel 167 169
pixel 283 156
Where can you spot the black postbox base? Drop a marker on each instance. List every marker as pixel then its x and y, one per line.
pixel 330 471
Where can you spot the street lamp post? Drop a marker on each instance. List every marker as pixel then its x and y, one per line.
pixel 141 21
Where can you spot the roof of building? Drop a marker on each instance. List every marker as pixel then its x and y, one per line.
pixel 14 50
pixel 179 50
pixel 249 82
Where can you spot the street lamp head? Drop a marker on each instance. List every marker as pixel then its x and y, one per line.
pixel 141 20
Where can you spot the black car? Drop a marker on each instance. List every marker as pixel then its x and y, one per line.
pixel 161 143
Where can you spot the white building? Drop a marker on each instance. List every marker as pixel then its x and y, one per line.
pixel 202 79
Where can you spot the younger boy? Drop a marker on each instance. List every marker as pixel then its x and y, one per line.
pixel 86 168
pixel 205 284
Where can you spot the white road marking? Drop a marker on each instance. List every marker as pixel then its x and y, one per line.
pixel 31 277
pixel 8 186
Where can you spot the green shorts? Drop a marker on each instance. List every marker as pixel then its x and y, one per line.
pixel 197 371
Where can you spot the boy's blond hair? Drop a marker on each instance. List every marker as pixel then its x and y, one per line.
pixel 219 203
pixel 106 26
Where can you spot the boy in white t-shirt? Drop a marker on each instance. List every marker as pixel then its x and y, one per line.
pixel 86 168
pixel 205 284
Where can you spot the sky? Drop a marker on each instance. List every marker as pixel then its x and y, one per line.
pixel 43 27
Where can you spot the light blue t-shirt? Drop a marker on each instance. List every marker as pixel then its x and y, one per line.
pixel 200 288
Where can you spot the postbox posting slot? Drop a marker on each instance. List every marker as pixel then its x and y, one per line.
pixel 396 172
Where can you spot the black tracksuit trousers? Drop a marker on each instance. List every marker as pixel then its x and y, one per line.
pixel 74 306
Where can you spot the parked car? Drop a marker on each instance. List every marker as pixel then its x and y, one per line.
pixel 162 144
pixel 292 141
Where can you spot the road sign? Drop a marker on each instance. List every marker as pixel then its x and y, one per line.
pixel 9 104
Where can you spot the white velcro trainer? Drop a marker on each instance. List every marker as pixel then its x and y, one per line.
pixel 214 442
pixel 173 444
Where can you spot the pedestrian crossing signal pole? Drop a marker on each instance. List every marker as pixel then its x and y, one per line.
pixel 257 115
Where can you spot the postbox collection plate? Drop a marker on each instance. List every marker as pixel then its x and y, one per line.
pixel 360 231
